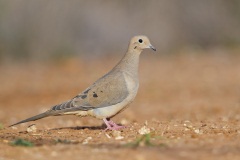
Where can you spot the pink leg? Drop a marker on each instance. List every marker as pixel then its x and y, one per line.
pixel 111 125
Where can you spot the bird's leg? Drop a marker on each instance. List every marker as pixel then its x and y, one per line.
pixel 111 125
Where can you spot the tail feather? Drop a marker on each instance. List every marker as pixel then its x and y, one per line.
pixel 34 118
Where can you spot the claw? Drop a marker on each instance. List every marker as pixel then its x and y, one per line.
pixel 111 125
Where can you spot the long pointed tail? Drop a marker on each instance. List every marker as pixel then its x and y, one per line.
pixel 34 118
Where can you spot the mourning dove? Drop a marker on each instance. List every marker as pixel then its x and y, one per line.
pixel 110 94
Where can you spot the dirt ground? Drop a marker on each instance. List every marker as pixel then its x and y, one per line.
pixel 190 104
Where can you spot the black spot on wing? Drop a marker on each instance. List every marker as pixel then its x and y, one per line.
pixel 81 96
pixel 95 95
pixel 85 92
pixel 84 96
pixel 77 96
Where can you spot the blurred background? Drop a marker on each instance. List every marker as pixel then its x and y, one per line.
pixel 58 29
pixel 52 50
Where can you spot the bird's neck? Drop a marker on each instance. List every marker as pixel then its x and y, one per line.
pixel 129 62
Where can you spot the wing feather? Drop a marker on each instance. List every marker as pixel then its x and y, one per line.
pixel 105 92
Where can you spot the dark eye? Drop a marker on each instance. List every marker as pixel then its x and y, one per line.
pixel 140 40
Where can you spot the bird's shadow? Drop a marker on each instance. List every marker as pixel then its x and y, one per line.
pixel 102 127
pixel 82 127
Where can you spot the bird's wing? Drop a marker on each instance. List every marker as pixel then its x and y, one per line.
pixel 107 91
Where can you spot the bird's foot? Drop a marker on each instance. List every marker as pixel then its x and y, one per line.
pixel 116 127
pixel 111 125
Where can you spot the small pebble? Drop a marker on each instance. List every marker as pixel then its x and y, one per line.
pixel 124 121
pixel 117 135
pixel 85 141
pixel 144 130
pixel 32 128
pixel 198 131
pixel 108 136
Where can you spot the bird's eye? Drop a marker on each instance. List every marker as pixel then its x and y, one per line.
pixel 140 40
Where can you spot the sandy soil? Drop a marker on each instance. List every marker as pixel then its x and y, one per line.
pixel 189 103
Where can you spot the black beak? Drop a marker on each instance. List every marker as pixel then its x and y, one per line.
pixel 153 48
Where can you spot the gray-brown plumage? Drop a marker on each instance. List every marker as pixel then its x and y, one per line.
pixel 110 94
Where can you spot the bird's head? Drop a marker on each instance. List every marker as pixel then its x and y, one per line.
pixel 140 43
